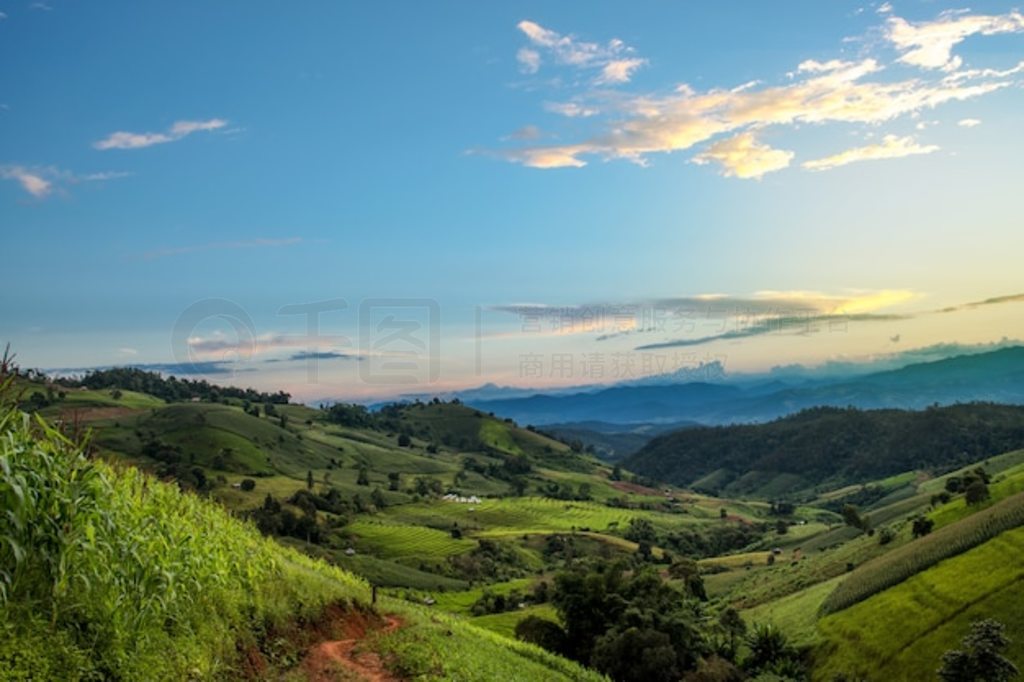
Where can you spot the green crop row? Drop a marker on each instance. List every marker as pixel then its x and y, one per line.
pixel 902 563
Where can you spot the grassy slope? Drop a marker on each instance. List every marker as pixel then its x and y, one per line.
pixel 901 633
pixel 168 583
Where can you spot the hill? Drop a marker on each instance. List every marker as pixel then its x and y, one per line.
pixel 109 574
pixel 829 447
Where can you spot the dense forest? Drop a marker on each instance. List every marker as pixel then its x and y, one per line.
pixel 833 445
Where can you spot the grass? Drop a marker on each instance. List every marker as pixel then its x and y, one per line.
pixel 1009 482
pixel 109 573
pixel 901 633
pixel 505 623
pixel 795 614
pixel 106 573
pixel 436 646
pixel 406 542
pixel 903 562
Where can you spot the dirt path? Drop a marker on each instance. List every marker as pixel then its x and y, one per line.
pixel 338 660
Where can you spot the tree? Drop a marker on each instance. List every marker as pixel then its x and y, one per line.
pixel 364 476
pixel 735 628
pixel 980 659
pixel 853 518
pixel 922 526
pixel 977 492
pixel 394 480
pixel 768 645
pixel 636 655
pixel 616 474
pixel 377 497
pixel 542 632
pixel 247 484
pixel 404 441
pixel 309 479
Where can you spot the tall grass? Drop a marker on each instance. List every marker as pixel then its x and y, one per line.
pixel 902 563
pixel 109 574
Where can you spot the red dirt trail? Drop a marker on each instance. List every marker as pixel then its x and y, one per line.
pixel 326 660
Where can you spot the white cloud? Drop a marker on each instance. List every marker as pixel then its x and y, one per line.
pixel 884 8
pixel 891 147
pixel 635 126
pixel 742 156
pixel 834 92
pixel 180 129
pixel 968 122
pixel 40 182
pixel 612 60
pixel 31 181
pixel 929 44
pixel 529 60
pixel 620 70
pixel 571 109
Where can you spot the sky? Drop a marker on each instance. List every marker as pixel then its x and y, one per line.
pixel 356 200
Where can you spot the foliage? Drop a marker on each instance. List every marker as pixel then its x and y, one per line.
pixel 836 445
pixel 125 577
pixel 980 659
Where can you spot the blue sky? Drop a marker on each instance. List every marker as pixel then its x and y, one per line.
pixel 730 166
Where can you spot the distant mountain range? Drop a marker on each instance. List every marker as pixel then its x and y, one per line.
pixel 995 376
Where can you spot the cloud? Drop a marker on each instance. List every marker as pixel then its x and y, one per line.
pixel 321 355
pixel 929 44
pixel 742 156
pixel 968 122
pixel 620 70
pixel 526 133
pixel 571 109
pixel 834 92
pixel 634 126
pixel 884 8
pixel 800 324
pixel 529 60
pixel 40 182
pixel 611 60
pixel 758 313
pixel 891 147
pixel 220 246
pixel 180 129
pixel 995 300
pixel 31 181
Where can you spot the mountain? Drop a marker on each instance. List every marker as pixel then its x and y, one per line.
pixel 996 376
pixel 610 441
pixel 828 446
pixel 619 404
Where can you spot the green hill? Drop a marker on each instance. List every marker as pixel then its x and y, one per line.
pixel 829 447
pixel 901 633
pixel 106 573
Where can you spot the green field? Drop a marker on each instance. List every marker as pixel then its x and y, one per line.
pixel 901 633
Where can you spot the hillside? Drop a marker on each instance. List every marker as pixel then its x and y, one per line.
pixel 829 447
pixel 461 518
pixel 109 574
